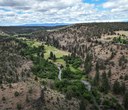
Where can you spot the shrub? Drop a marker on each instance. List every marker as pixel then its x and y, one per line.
pixel 30 91
pixel 87 96
pixel 116 87
pixel 3 98
pixel 27 99
pixel 19 106
pixel 125 100
pixel 126 77
pixel 16 94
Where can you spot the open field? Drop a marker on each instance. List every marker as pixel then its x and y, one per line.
pixel 58 53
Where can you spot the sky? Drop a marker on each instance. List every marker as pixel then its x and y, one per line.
pixel 20 12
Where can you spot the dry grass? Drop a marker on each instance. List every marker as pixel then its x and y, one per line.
pixel 56 101
pixel 23 89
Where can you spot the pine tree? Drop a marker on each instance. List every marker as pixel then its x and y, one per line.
pixel 123 88
pixel 42 54
pixel 116 87
pixel 97 66
pixel 105 87
pixel 41 51
pixel 109 73
pixel 126 77
pixel 96 78
pixel 82 104
pixel 88 63
pixel 51 55
pixel 54 57
pixel 97 75
pixel 42 47
pixel 125 100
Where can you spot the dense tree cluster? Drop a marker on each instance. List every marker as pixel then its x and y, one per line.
pixel 75 61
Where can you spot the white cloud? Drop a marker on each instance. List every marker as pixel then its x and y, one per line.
pixel 116 5
pixel 59 11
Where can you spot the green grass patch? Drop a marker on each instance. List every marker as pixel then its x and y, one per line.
pixel 58 53
pixel 31 43
pixel 75 70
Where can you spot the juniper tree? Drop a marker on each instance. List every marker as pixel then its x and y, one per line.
pixel 105 87
pixel 88 63
pixel 125 100
pixel 116 87
pixel 51 55
pixel 82 104
pixel 97 66
pixel 109 73
pixel 54 57
pixel 96 79
pixel 97 75
pixel 123 88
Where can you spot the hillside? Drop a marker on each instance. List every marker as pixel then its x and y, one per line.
pixel 24 72
pixel 26 29
pixel 77 67
pixel 107 43
pixel 97 39
pixel 13 66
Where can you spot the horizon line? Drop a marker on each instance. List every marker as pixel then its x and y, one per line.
pixel 61 24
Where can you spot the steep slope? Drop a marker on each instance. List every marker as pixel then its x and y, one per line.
pixel 15 75
pixel 102 44
pixel 98 39
pixel 23 75
pixel 13 66
pixel 79 35
pixel 104 53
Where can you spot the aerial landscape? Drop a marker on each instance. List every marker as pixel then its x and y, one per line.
pixel 64 55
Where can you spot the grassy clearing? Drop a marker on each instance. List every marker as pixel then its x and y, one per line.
pixel 59 54
pixel 31 43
